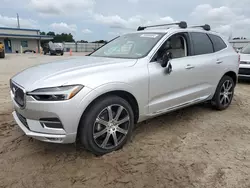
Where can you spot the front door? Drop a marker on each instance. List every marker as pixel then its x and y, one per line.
pixel 179 88
pixel 168 91
pixel 7 45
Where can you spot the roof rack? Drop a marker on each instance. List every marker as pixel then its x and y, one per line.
pixel 181 24
pixel 205 27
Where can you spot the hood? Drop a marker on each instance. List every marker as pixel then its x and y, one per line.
pixel 60 72
pixel 245 57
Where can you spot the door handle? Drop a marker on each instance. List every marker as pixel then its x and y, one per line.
pixel 189 67
pixel 219 61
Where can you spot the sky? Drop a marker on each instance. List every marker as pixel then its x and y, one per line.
pixel 105 19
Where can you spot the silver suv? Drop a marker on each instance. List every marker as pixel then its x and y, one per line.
pixel 98 98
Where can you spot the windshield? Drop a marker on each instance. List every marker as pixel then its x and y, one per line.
pixel 135 45
pixel 246 50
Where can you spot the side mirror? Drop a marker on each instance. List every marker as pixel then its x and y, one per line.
pixel 166 58
pixel 165 63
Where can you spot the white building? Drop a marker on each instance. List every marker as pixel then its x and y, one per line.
pixel 14 38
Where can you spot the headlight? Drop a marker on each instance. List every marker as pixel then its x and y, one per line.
pixel 56 93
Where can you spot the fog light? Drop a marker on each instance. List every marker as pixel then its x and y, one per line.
pixel 55 139
pixel 54 123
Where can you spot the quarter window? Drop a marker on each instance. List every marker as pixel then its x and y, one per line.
pixel 201 43
pixel 219 44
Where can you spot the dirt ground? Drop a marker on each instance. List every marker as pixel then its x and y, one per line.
pixel 194 147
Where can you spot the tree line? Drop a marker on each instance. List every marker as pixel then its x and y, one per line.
pixel 67 37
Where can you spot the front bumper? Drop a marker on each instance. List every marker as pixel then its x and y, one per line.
pixel 54 138
pixel 30 118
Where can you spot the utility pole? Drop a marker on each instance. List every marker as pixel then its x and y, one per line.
pixel 231 34
pixel 18 23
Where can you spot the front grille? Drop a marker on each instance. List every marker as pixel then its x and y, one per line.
pixel 244 71
pixel 22 119
pixel 19 95
pixel 58 51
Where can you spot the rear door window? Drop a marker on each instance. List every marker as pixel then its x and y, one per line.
pixel 201 43
pixel 218 43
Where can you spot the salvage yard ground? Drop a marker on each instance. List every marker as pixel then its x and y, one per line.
pixel 194 147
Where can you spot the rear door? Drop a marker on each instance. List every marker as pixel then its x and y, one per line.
pixel 222 57
pixel 204 61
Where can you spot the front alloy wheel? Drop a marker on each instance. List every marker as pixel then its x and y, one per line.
pixel 111 127
pixel 107 125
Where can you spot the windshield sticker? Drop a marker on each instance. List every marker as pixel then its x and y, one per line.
pixel 149 35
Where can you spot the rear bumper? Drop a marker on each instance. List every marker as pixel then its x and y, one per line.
pixel 244 73
pixel 54 138
pixel 56 51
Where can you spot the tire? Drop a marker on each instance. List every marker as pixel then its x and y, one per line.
pixel 2 54
pixel 62 54
pixel 224 93
pixel 44 53
pixel 99 109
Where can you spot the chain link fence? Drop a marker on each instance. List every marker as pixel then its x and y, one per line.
pixel 81 47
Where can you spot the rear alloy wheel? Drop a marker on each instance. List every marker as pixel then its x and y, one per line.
pixel 224 93
pixel 107 125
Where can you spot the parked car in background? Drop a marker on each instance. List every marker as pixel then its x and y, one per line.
pixel 244 71
pixel 98 98
pixel 2 51
pixel 53 48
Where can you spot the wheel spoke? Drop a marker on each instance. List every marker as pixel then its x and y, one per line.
pixel 119 111
pixel 104 143
pixel 98 134
pixel 221 94
pixel 227 84
pixel 123 131
pixel 229 87
pixel 227 99
pixel 101 121
pixel 223 87
pixel 123 120
pixel 110 113
pixel 230 93
pixel 222 99
pixel 115 138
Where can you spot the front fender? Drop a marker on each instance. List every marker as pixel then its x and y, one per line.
pixel 115 86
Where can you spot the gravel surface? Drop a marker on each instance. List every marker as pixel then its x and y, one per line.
pixel 194 147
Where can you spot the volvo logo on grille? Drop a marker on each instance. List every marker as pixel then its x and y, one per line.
pixel 14 91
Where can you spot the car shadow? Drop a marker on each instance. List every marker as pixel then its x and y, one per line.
pixel 245 81
pixel 144 129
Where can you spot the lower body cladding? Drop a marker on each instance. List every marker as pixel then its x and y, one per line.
pixel 55 121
